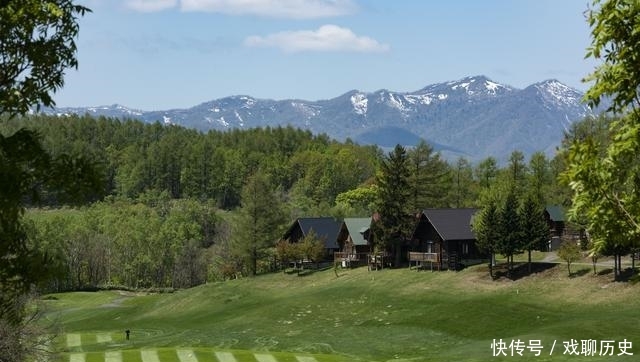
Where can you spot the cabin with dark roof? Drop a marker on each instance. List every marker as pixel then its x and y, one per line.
pixel 326 229
pixel 443 238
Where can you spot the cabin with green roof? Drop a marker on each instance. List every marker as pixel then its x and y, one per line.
pixel 355 242
pixel 555 216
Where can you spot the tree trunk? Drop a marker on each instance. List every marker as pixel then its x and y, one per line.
pixel 398 252
pixel 620 264
pixel 491 262
pixel 254 262
pixel 529 261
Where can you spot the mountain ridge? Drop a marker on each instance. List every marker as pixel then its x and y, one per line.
pixel 474 117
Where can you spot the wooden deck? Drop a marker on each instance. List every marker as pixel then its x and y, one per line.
pixel 378 261
pixel 348 260
pixel 424 260
pixel 419 260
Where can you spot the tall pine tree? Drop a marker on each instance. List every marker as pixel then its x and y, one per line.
pixel 395 219
pixel 486 226
pixel 260 221
pixel 427 178
pixel 510 240
pixel 535 230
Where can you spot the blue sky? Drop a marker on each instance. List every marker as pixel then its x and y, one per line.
pixel 162 54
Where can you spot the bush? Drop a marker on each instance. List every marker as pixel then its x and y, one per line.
pixel 570 252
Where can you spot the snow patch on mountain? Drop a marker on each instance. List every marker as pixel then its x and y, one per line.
pixel 419 98
pixel 116 107
pixel 219 121
pixel 492 87
pixel 128 110
pixel 308 110
pixel 477 86
pixel 248 101
pixel 558 93
pixel 360 103
pixel 464 85
pixel 223 122
pixel 239 118
pixel 396 102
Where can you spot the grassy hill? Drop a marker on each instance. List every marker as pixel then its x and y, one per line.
pixel 370 316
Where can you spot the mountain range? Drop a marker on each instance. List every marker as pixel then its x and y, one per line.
pixel 473 117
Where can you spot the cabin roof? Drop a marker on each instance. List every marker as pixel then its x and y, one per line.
pixel 325 228
pixel 356 227
pixel 451 224
pixel 556 212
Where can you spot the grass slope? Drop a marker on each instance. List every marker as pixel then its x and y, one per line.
pixel 360 315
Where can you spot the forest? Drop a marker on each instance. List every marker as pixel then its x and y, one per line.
pixel 168 207
pixel 103 203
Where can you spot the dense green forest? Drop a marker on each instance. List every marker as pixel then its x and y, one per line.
pixel 170 207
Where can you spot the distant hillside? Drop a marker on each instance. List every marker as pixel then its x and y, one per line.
pixel 474 117
pixel 390 136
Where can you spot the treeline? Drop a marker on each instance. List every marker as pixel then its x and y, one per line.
pixel 158 243
pixel 178 207
pixel 310 170
pixel 135 157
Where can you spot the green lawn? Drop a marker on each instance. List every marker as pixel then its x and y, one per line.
pixel 370 316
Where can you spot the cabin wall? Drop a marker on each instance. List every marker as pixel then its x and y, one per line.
pixel 296 234
pixel 423 234
pixel 464 249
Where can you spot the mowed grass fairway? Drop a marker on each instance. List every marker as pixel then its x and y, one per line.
pixel 383 315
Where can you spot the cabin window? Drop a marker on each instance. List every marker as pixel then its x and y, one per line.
pixel 429 246
pixel 465 248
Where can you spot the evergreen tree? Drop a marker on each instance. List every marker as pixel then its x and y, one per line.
pixel 395 214
pixel 260 221
pixel 464 189
pixel 427 178
pixel 509 229
pixel 535 230
pixel 486 172
pixel 486 226
pixel 540 176
pixel 517 172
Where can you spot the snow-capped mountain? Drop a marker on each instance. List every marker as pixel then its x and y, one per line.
pixel 114 110
pixel 473 117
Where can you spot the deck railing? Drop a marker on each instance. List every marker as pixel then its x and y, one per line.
pixel 419 256
pixel 349 259
pixel 420 259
